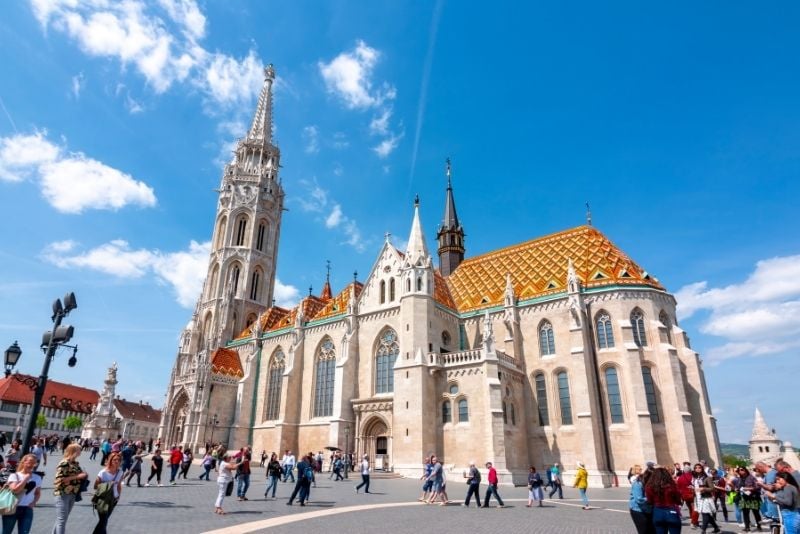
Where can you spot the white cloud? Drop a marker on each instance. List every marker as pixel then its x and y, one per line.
pixel 759 316
pixel 387 146
pixel 317 200
pixel 380 123
pixel 286 296
pixel 340 141
pixel 188 15
pixel 311 137
pixel 70 182
pixel 349 76
pixel 77 85
pixel 184 271
pixel 232 82
pixel 133 106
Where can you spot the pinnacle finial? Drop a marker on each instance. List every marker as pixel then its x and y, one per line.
pixel 448 171
pixel 328 268
pixel 416 200
pixel 588 214
pixel 269 72
pixel 261 128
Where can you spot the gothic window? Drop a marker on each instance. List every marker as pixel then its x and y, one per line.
pixel 235 278
pixel 323 389
pixel 408 285
pixel 274 385
pixel 453 389
pixel 513 415
pixel 419 283
pixel 505 413
pixel 388 349
pixel 212 287
pixel 383 291
pixel 563 398
pixel 262 232
pixel 541 400
pixel 663 318
pixel 605 334
pixel 241 231
pixel 547 343
pixel 447 417
pixel 650 394
pixel 254 282
pixel 637 322
pixel 391 290
pixel 463 411
pixel 220 232
pixel 614 397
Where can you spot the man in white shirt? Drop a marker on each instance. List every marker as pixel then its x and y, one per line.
pixel 364 474
pixel 38 451
pixel 288 462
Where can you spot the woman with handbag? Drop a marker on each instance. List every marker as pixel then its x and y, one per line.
pixel 67 485
pixel 112 476
pixel 224 482
pixel 749 498
pixel 535 492
pixel 274 472
pixel 25 485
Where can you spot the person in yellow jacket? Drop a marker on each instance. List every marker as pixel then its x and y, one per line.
pixel 582 482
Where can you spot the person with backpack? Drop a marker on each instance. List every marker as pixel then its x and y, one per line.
pixel 305 474
pixel 473 484
pixel 25 485
pixel 556 485
pixel 108 488
pixel 67 486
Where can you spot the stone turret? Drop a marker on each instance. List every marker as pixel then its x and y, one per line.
pixel 764 444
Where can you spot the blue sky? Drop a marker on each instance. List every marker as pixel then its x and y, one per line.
pixel 680 124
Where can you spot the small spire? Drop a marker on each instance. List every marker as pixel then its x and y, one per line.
pixel 327 294
pixel 261 129
pixel 416 199
pixel 328 268
pixel 310 289
pixel 416 249
pixel 386 236
pixel 273 303
pixel 448 172
pixel 355 276
pixel 588 214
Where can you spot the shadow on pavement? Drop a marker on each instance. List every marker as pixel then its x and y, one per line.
pixel 161 504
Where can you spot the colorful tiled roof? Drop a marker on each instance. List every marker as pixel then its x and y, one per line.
pixel 138 411
pixel 339 303
pixel 441 293
pixel 57 395
pixel 539 268
pixel 269 320
pixel 226 362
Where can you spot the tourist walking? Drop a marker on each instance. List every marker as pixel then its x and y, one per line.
pixel 556 482
pixel 427 485
pixel 208 465
pixel 662 493
pixel 786 497
pixel 186 462
pixel 473 477
pixel 641 510
pixel 288 463
pixel 582 482
pixel 436 478
pixel 175 459
pixel 749 496
pixel 491 489
pixel 136 469
pixel 112 476
pixel 26 486
pixel 305 474
pixel 224 482
pixel 274 472
pixel 67 485
pixel 684 481
pixel 535 483
pixel 156 465
pixel 364 474
pixel 704 497
pixel 243 477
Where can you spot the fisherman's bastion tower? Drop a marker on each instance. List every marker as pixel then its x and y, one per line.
pixel 558 349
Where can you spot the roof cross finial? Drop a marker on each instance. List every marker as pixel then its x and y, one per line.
pixel 386 236
pixel 355 276
pixel 328 268
pixel 588 214
pixel 416 199
pixel 310 289
pixel 448 171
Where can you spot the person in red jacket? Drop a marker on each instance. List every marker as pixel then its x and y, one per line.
pixel 686 489
pixel 175 459
pixel 492 489
pixel 662 492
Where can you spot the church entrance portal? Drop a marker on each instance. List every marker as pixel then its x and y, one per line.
pixel 376 442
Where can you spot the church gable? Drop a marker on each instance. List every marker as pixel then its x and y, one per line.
pixel 226 362
pixel 381 289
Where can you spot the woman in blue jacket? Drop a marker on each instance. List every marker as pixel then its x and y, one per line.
pixel 641 510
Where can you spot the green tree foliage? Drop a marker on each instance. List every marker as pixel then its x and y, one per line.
pixel 72 422
pixel 732 460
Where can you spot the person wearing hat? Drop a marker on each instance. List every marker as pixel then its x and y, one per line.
pixel 364 474
pixel 582 482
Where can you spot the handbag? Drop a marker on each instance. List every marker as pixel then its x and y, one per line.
pixel 8 502
pixel 229 489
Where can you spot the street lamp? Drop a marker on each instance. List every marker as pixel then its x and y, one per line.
pixel 51 341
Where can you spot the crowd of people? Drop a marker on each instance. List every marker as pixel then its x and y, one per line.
pixel 759 497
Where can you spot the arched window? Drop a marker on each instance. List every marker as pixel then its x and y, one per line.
pixel 323 389
pixel 505 413
pixel 391 290
pixel 463 411
pixel 221 225
pixel 605 334
pixel 513 414
pixel 637 322
pixel 541 400
pixel 387 352
pixel 614 397
pixel 408 285
pixel 261 235
pixel 419 283
pixel 383 291
pixel 254 281
pixel 212 286
pixel 235 278
pixel 445 338
pixel 274 385
pixel 663 318
pixel 563 398
pixel 650 394
pixel 547 343
pixel 447 417
pixel 241 231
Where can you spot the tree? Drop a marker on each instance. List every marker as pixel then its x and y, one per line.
pixel 72 422
pixel 41 422
pixel 733 460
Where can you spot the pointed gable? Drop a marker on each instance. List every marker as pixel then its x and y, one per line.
pixel 417 250
pixel 538 268
pixel 226 362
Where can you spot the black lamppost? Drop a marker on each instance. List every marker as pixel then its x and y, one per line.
pixel 51 341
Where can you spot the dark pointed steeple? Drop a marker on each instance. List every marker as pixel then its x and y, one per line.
pixel 451 234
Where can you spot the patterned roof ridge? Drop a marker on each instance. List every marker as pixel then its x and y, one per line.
pixel 441 293
pixel 539 268
pixel 268 319
pixel 340 302
pixel 56 394
pixel 137 410
pixel 226 362
pixel 311 305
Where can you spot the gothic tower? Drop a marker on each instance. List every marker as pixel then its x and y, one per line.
pixel 241 272
pixel 451 234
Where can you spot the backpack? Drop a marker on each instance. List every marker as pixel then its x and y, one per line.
pixel 309 473
pixel 103 497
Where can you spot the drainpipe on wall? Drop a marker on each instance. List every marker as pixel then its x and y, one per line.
pixel 255 390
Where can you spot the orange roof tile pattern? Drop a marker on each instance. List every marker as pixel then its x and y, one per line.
pixel 441 293
pixel 339 303
pixel 539 268
pixel 226 362
pixel 138 411
pixel 56 395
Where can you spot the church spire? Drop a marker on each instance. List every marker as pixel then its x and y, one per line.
pixel 417 249
pixel 261 129
pixel 451 234
pixel 327 294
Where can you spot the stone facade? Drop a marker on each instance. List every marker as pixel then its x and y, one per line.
pixel 560 349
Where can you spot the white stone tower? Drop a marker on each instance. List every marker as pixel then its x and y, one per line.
pixel 764 444
pixel 240 280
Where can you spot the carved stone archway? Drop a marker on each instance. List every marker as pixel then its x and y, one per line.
pixel 375 440
pixel 180 414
